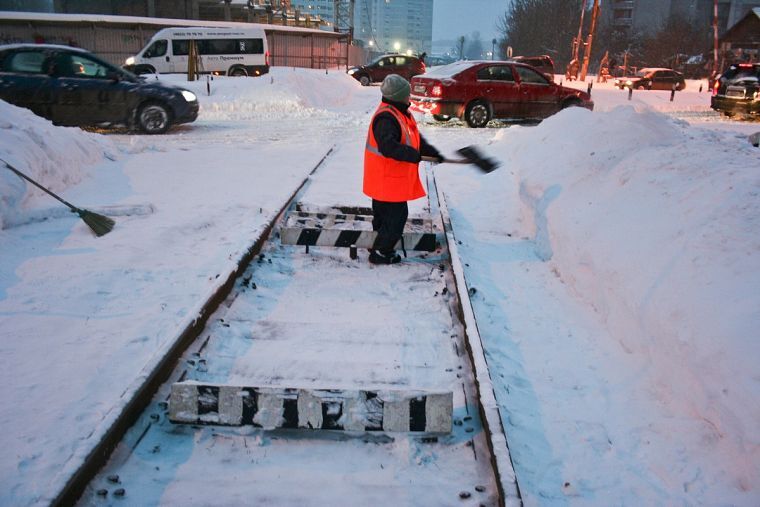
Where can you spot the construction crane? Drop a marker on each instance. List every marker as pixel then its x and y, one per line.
pixel 344 16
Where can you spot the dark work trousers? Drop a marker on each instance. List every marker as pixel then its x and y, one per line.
pixel 389 220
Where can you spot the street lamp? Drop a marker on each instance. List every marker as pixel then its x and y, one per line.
pixel 397 46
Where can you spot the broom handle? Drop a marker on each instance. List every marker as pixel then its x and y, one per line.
pixel 30 180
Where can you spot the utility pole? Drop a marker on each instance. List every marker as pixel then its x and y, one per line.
pixel 715 38
pixel 587 54
pixel 577 42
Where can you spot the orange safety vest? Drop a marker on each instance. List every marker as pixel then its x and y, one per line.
pixel 387 179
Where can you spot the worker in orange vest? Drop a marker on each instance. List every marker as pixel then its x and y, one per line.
pixel 391 167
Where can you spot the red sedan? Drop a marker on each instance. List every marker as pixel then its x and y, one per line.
pixel 478 91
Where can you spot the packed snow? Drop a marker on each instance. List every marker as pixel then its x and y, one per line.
pixel 615 254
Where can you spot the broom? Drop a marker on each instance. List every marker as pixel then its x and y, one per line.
pixel 99 224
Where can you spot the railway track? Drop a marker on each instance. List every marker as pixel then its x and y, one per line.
pixel 312 319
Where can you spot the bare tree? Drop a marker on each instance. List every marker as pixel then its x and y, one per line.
pixel 459 49
pixel 536 27
pixel 474 50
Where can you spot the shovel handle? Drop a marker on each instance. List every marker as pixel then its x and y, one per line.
pixel 446 160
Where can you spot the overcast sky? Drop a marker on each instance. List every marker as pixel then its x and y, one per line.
pixel 452 18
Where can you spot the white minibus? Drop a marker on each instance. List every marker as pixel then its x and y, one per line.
pixel 230 51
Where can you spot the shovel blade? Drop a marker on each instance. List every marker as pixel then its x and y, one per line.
pixel 474 156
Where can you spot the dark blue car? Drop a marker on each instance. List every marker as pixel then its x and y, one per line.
pixel 72 87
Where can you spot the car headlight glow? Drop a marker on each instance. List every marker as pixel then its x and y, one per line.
pixel 351 72
pixel 629 82
pixel 130 61
pixel 189 96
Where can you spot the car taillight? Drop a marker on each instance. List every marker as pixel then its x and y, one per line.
pixel 716 87
pixel 437 91
pixel 266 58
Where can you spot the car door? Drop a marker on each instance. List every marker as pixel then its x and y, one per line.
pixel 403 67
pixel 385 66
pixel 75 94
pixel 91 92
pixel 538 97
pixel 157 56
pixel 662 80
pixel 24 80
pixel 497 84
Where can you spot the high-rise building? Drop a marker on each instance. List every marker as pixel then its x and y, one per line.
pixel 395 25
pixel 324 9
pixel 648 16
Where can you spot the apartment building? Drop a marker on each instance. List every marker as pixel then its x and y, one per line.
pixel 647 16
pixel 395 25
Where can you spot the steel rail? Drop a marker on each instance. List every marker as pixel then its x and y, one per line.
pixel 501 460
pixel 130 412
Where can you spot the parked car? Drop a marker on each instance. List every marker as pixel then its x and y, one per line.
pixel 737 90
pixel 73 87
pixel 478 91
pixel 403 65
pixel 543 63
pixel 434 61
pixel 652 79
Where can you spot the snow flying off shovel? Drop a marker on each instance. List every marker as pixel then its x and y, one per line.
pixel 472 155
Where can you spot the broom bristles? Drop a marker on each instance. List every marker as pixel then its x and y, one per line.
pixel 100 225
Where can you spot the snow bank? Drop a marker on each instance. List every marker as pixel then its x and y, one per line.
pixel 55 157
pixel 652 225
pixel 284 91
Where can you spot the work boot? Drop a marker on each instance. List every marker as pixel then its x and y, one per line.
pixel 390 257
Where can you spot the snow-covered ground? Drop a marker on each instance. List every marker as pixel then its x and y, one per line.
pixel 616 257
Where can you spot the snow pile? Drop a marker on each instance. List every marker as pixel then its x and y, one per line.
pixel 652 226
pixel 55 157
pixel 284 91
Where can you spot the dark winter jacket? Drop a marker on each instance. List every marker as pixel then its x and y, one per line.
pixel 387 133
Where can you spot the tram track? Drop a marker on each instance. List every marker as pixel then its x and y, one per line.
pixel 210 341
pixel 129 414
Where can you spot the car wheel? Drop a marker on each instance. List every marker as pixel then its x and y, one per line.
pixel 640 87
pixel 728 114
pixel 237 72
pixel 364 80
pixel 441 117
pixel 478 114
pixel 154 118
pixel 571 103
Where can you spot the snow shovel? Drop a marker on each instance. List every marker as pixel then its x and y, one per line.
pixel 99 224
pixel 472 155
